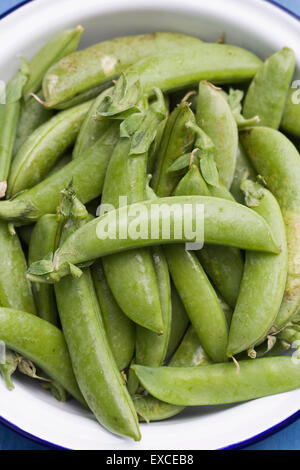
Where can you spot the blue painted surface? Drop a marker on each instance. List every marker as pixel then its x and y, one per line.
pixel 286 439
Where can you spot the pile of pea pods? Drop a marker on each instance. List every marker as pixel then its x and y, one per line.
pixel 139 329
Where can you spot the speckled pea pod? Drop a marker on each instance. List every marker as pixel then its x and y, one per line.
pixel 85 69
pixel 291 115
pixel 40 342
pixel 43 148
pixel 226 223
pixel 218 384
pixel 190 353
pixel 131 275
pixel 15 290
pixel 91 129
pixel 267 93
pixel 243 170
pixel 64 43
pixel 277 160
pixel 43 241
pixel 224 265
pixel 32 115
pixel 94 366
pixel 120 330
pixel 87 173
pixel 264 278
pixel 151 349
pixel 176 140
pixel 215 117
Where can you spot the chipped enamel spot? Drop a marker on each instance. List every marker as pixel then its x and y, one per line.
pixel 108 63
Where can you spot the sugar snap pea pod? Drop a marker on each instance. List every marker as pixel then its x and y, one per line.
pixel 91 129
pixel 267 93
pixel 218 384
pixel 62 162
pixel 85 69
pixel 277 160
pixel 44 240
pixel 179 322
pixel 223 265
pixel 200 300
pixel 131 275
pixel 151 349
pixel 177 140
pixel 87 172
pixel 9 115
pixel 43 148
pixel 95 368
pixel 291 116
pixel 119 329
pixel 243 170
pixel 214 116
pixel 190 353
pixel 64 43
pixel 13 273
pixel 226 223
pixel 32 115
pixel 218 63
pixel 264 278
pixel 40 342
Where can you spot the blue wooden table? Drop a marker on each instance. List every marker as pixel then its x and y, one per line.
pixel 285 439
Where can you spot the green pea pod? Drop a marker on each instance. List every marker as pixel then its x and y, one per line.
pixel 44 240
pixel 277 160
pixel 215 117
pixel 85 69
pixel 177 140
pixel 151 349
pixel 95 368
pixel 190 353
pixel 119 329
pixel 91 129
pixel 13 273
pixel 264 274
pixel 40 342
pixel 32 115
pixel 226 223
pixel 291 115
pixel 218 63
pixel 62 162
pixel 9 116
pixel 179 322
pixel 131 275
pixel 267 93
pixel 243 170
pixel 43 147
pixel 154 149
pixel 223 265
pixel 87 173
pixel 64 43
pixel 218 384
pixel 200 300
